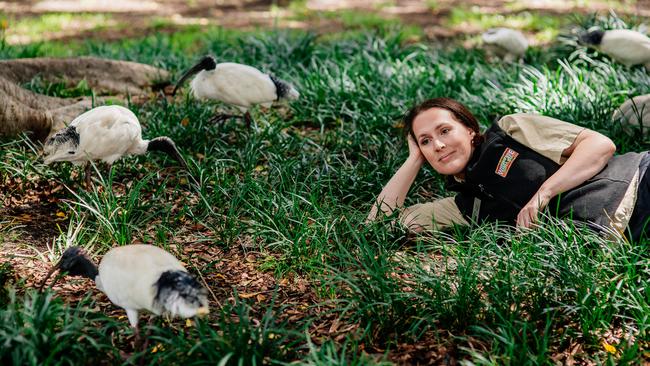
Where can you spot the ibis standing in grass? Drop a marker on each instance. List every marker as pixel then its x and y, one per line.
pixel 506 43
pixel 623 45
pixel 106 134
pixel 139 277
pixel 235 84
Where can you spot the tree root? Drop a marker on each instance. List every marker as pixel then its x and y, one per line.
pixel 22 110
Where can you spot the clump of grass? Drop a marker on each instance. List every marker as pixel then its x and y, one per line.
pixel 35 27
pixel 117 216
pixel 330 353
pixel 237 336
pixel 7 279
pixel 476 17
pixel 41 329
pixel 511 290
pixel 59 89
pixel 20 160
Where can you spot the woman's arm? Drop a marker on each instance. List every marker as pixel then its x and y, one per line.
pixel 587 156
pixel 394 193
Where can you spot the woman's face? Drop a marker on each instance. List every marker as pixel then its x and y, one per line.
pixel 444 142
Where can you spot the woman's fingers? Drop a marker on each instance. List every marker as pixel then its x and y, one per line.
pixel 414 150
pixel 527 217
pixel 413 146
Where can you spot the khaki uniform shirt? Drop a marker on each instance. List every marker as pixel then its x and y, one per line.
pixel 545 135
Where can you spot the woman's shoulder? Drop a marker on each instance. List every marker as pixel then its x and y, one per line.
pixel 530 120
pixel 536 124
pixel 547 135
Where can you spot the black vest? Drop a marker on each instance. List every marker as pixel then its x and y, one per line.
pixel 504 175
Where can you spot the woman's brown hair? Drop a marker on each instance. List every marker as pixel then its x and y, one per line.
pixel 457 109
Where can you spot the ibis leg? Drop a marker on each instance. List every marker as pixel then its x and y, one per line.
pixel 248 119
pixel 109 170
pixel 87 174
pixel 146 336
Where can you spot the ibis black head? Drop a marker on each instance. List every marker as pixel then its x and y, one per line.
pixel 593 37
pixel 179 293
pixel 67 135
pixel 74 262
pixel 166 145
pixel 206 63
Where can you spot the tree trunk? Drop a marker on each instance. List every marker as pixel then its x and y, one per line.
pixel 22 110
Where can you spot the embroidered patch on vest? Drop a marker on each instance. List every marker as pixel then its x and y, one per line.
pixel 506 161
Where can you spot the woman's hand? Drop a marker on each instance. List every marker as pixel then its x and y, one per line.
pixel 414 150
pixel 586 156
pixel 527 217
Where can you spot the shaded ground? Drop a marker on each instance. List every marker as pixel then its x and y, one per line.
pixel 227 273
pixel 129 18
pixel 32 220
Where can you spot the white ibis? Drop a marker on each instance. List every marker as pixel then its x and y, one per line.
pixel 635 114
pixel 235 84
pixel 104 133
pixel 509 44
pixel 139 277
pixel 623 45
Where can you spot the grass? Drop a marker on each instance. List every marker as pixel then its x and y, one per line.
pixel 32 29
pixel 527 21
pixel 41 329
pixel 295 188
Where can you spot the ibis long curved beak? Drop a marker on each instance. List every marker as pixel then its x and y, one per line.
pixel 52 270
pixel 189 73
pixel 206 63
pixel 174 153
pixel 167 145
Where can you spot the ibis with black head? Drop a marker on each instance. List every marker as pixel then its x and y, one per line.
pixel 626 46
pixel 235 84
pixel 139 277
pixel 104 134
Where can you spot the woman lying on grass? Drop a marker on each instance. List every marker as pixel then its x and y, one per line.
pixel 520 166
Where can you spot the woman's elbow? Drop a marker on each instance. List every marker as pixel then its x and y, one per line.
pixel 601 145
pixel 609 147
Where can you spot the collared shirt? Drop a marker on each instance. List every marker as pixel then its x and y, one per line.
pixel 546 136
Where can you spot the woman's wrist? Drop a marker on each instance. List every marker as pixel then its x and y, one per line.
pixel 415 160
pixel 544 195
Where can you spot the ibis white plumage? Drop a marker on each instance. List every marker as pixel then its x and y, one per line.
pixel 623 45
pixel 235 84
pixel 106 134
pixel 506 43
pixel 139 277
pixel 634 115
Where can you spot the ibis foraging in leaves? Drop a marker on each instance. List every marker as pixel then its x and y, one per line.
pixel 235 84
pixel 106 134
pixel 139 277
pixel 623 45
pixel 506 43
